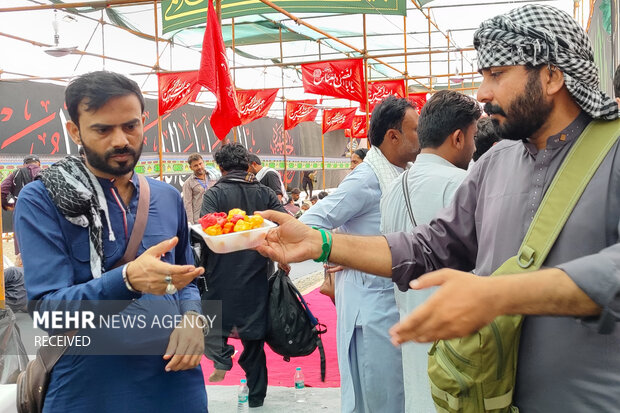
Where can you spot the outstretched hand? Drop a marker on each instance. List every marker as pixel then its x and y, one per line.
pixel 463 304
pixel 148 272
pixel 291 241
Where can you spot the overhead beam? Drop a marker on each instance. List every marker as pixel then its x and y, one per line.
pixel 101 4
pixel 316 29
pixel 77 52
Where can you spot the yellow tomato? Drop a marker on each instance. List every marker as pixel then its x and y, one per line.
pixel 213 230
pixel 235 211
pixel 256 221
pixel 242 226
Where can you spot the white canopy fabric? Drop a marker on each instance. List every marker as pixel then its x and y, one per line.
pixel 136 56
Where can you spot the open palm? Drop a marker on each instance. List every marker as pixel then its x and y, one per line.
pixel 290 242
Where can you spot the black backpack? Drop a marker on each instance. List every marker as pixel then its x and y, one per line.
pixel 293 331
pixel 20 179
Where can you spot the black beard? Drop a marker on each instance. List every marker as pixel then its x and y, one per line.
pixel 101 162
pixel 526 113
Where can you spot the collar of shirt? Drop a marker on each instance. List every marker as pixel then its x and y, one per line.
pixel 431 158
pixel 567 135
pixel 107 184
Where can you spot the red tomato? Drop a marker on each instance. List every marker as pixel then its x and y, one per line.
pixel 236 218
pixel 207 220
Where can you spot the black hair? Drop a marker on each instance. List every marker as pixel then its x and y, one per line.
pixel 617 82
pixel 485 137
pixel 253 158
pixel 232 156
pixel 323 194
pixel 361 152
pixel 95 89
pixel 388 114
pixel 445 112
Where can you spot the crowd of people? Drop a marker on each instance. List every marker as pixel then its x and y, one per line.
pixel 439 202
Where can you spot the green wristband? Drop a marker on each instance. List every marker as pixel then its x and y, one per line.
pixel 326 247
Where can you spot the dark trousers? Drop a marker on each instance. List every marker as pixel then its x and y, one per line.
pixel 307 185
pixel 252 361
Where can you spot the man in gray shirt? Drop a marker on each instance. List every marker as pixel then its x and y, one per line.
pixel 541 87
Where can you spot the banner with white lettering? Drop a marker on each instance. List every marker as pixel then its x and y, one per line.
pixel 176 89
pixel 337 78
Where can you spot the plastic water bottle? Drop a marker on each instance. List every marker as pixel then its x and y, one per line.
pixel 242 397
pixel 299 386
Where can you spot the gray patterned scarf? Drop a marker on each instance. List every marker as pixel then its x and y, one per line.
pixel 77 194
pixel 539 34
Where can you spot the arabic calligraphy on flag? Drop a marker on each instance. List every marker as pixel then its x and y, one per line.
pixel 358 126
pixel 337 78
pixel 255 104
pixel 338 118
pixel 380 89
pixel 176 89
pixel 298 111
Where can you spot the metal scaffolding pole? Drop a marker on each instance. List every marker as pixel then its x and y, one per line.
pixel 366 82
pixel 405 50
pixel 283 108
pixel 233 69
pixel 448 37
pixel 160 139
pixel 430 47
pixel 316 29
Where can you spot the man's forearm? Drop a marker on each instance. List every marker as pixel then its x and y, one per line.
pixel 545 292
pixel 369 254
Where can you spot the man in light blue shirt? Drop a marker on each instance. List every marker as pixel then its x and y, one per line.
pixel 446 131
pixel 370 366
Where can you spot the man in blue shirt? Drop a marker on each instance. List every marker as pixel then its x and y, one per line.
pixel 74 224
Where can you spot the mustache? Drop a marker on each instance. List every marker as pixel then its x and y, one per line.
pixel 120 151
pixel 491 109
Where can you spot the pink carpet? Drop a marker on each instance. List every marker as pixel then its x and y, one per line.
pixel 280 372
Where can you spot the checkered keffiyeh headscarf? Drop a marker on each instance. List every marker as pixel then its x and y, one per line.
pixel 538 34
pixel 78 196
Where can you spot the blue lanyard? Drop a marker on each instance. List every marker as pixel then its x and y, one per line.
pixel 203 184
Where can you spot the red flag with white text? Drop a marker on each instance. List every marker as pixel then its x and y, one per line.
pixel 380 89
pixel 298 111
pixel 176 89
pixel 337 78
pixel 418 100
pixel 358 126
pixel 255 104
pixel 337 118
pixel 215 76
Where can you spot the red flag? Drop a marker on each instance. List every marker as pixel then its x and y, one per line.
pixel 298 111
pixel 254 104
pixel 380 89
pixel 338 78
pixel 337 118
pixel 176 89
pixel 358 126
pixel 215 76
pixel 418 100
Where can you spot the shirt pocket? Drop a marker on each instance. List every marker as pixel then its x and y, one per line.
pixel 80 251
pixel 149 240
